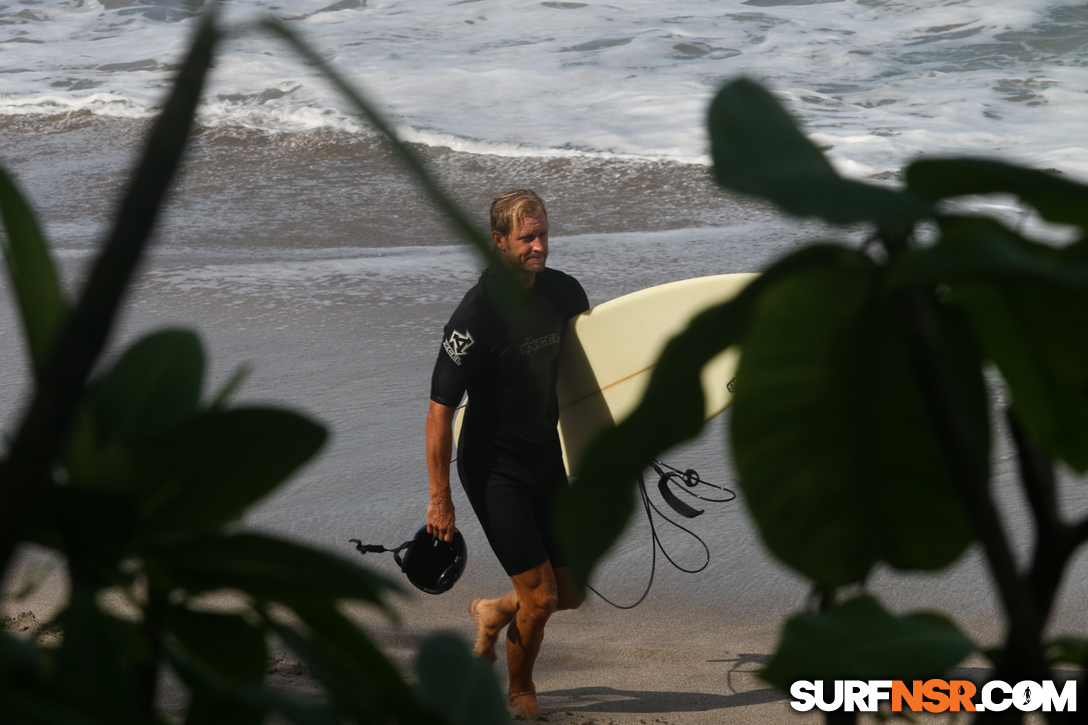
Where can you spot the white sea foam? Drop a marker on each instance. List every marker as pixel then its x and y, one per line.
pixel 876 81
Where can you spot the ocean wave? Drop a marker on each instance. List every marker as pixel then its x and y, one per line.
pixel 557 79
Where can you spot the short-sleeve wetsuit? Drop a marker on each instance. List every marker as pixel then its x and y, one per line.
pixel 508 457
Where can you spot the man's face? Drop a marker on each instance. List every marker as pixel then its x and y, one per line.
pixel 525 249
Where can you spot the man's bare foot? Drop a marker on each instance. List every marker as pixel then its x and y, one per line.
pixel 488 625
pixel 523 705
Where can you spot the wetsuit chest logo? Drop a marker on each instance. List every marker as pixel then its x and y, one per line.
pixel 458 344
pixel 532 344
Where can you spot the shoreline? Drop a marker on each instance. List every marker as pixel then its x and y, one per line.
pixel 73 167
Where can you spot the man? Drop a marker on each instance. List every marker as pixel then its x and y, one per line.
pixel 509 459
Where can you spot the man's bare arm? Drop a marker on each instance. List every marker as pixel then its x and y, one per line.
pixel 440 515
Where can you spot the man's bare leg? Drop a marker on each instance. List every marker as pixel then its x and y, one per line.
pixel 537 600
pixel 490 616
pixel 523 638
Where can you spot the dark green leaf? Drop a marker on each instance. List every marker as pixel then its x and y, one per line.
pixel 1057 200
pixel 974 248
pixel 297 711
pixel 94 464
pixel 1028 304
pixel 461 687
pixel 33 274
pixel 860 640
pixel 209 471
pixel 594 511
pixel 1037 335
pixel 230 387
pixel 91 666
pixel 353 671
pixel 266 568
pixel 1068 650
pixel 18 658
pixel 249 698
pixel 759 150
pixel 44 707
pixel 211 708
pixel 97 530
pixel 226 645
pixel 358 702
pixel 831 435
pixel 356 673
pixel 27 695
pixel 152 388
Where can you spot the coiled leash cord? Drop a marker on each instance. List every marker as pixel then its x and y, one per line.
pixel 668 477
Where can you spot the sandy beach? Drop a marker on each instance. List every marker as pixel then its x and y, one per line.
pixel 662 663
pixel 650 665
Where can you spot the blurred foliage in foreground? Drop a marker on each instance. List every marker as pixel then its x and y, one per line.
pixel 135 479
pixel 861 428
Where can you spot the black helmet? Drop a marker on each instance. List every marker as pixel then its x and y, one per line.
pixel 431 564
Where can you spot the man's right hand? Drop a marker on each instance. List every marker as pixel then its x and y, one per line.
pixel 440 518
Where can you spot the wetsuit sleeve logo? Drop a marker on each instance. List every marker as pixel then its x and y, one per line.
pixel 458 344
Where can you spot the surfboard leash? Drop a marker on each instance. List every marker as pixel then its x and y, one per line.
pixel 687 481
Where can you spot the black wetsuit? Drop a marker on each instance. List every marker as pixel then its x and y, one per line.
pixel 508 456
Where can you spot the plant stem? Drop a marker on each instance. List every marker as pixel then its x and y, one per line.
pixel 1037 473
pixel 148 672
pixel 964 453
pixel 1023 653
pixel 825 596
pixel 1054 542
pixel 405 153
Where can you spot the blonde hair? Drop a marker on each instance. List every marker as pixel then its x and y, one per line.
pixel 513 205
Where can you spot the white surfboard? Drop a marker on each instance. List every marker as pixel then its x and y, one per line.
pixel 610 351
